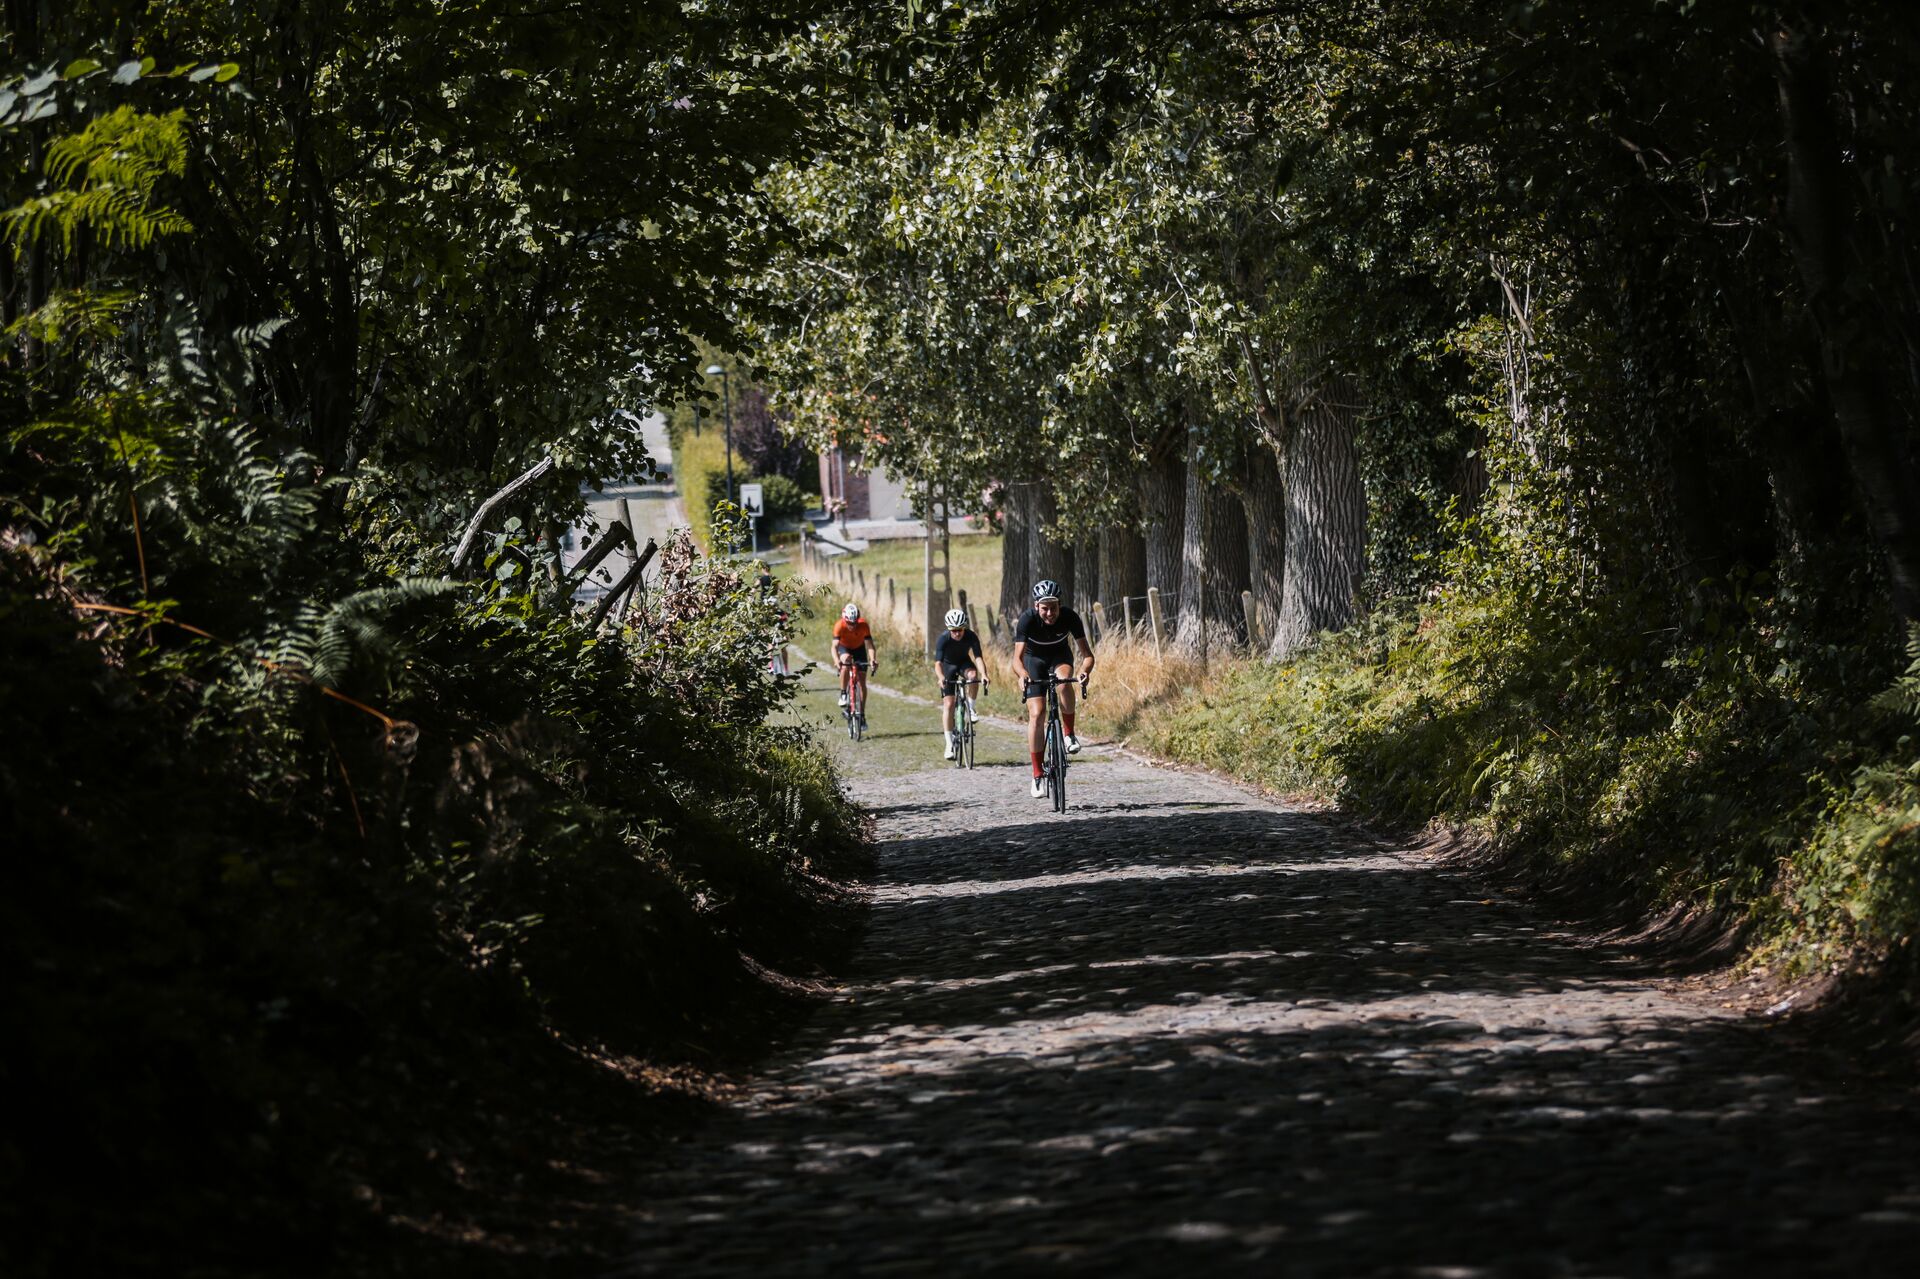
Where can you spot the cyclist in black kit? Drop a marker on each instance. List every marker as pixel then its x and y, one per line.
pixel 1043 645
pixel 958 665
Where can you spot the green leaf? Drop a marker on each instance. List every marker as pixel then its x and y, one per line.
pixel 79 67
pixel 227 71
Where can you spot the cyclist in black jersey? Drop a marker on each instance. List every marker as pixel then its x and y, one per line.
pixel 1043 645
pixel 959 665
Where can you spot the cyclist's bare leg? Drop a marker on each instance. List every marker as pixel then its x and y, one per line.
pixel 1067 694
pixel 946 714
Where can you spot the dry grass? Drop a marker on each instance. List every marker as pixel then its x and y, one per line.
pixel 975 567
pixel 1129 680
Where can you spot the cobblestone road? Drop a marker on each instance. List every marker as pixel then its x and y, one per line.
pixel 1181 1030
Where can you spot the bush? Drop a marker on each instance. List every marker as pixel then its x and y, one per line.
pixel 781 498
pixel 262 929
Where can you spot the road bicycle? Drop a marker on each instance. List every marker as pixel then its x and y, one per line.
pixel 1054 762
pixel 856 708
pixel 965 719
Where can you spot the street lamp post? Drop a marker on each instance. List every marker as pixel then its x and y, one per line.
pixel 726 400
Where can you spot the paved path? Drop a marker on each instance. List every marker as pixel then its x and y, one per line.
pixel 1180 1030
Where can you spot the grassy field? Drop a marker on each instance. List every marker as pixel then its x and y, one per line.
pixel 976 566
pixel 901 736
pixel 1128 682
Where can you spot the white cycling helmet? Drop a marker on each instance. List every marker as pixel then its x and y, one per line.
pixel 956 618
pixel 851 612
pixel 1046 589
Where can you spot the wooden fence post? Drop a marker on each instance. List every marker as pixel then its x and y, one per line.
pixel 993 624
pixel 1098 616
pixel 1253 621
pixel 1154 619
pixel 1126 614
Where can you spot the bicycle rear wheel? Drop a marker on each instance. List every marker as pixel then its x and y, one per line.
pixel 966 743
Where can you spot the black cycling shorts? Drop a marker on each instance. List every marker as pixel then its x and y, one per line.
pixel 951 677
pixel 1039 668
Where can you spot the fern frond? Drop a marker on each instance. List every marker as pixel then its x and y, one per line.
pixel 109 173
pixel 1902 698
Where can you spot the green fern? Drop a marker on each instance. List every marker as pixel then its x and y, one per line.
pixel 326 641
pixel 108 173
pixel 1902 698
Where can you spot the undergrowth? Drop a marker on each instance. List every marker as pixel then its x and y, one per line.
pixel 1723 763
pixel 320 864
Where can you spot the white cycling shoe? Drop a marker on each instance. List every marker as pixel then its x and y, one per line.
pixel 1073 744
pixel 845 701
pixel 1039 788
pixel 949 745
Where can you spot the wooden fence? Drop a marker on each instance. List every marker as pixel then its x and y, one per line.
pixel 1135 620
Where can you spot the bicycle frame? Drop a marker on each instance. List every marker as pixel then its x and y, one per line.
pixel 1055 741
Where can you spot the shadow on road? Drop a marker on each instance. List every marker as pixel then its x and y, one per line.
pixel 1244 1041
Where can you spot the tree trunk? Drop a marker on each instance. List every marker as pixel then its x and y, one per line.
pixel 1264 500
pixel 1016 522
pixel 1190 617
pixel 1820 229
pixel 1046 558
pixel 1326 519
pixel 1226 554
pixel 1163 504
pixel 1123 570
pixel 1087 585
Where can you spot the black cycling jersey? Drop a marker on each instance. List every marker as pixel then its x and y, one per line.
pixel 958 653
pixel 1049 639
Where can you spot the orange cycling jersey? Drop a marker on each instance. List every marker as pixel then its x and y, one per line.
pixel 852 636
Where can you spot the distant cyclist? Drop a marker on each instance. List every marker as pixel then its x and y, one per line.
pixel 1043 646
pixel 958 665
pixel 853 647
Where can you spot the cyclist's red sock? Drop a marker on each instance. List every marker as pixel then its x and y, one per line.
pixel 1036 762
pixel 1067 720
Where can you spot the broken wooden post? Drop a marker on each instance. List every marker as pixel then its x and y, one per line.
pixel 1253 620
pixel 1155 619
pixel 487 507
pixel 624 585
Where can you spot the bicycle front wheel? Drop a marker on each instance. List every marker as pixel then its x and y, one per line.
pixel 1057 754
pixel 966 743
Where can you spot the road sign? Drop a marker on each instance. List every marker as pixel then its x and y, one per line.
pixel 750 500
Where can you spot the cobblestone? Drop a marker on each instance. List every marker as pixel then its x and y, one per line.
pixel 1180 1029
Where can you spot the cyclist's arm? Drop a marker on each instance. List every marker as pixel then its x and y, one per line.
pixel 873 655
pixel 1019 653
pixel 1086 655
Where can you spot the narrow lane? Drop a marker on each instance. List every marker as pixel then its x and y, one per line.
pixel 1181 1029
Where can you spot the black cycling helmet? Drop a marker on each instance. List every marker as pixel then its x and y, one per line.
pixel 1046 589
